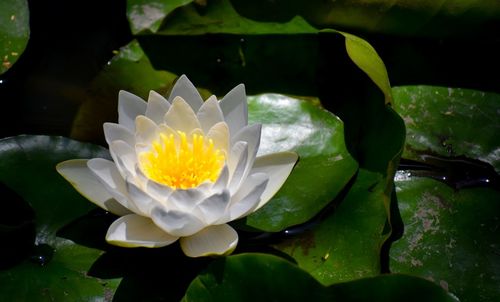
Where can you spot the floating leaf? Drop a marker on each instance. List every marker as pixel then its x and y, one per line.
pixel 290 124
pixel 451 237
pixel 345 245
pixel 149 14
pixel 261 277
pixel 57 270
pixel 450 122
pixel 14 31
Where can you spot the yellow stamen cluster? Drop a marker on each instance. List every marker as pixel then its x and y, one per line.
pixel 183 162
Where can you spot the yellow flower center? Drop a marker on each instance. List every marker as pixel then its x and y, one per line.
pixel 183 164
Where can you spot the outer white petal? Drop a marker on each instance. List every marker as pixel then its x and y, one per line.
pixel 109 176
pixel 157 107
pixel 77 173
pixel 214 207
pixel 185 89
pixel 137 231
pixel 210 114
pixel 181 116
pixel 129 107
pixel 219 134
pixel 213 240
pixel 248 196
pixel 175 222
pixel 124 157
pixel 114 132
pixel 278 167
pixel 235 108
pixel 146 130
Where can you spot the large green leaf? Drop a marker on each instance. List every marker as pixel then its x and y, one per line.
pixel 260 277
pixel 318 137
pixel 148 15
pixel 450 122
pixel 346 245
pixel 451 237
pixel 27 165
pixel 14 31
pixel 406 17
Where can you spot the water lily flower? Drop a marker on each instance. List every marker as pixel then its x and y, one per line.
pixel 181 170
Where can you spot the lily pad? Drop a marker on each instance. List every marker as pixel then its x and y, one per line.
pixel 261 277
pixel 289 124
pixel 149 15
pixel 451 237
pixel 402 17
pixel 14 31
pixel 346 245
pixel 57 270
pixel 450 122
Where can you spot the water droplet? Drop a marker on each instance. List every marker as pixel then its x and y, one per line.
pixel 42 254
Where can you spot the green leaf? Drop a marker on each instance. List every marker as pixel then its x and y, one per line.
pixel 400 17
pixel 219 16
pixel 346 245
pixel 27 165
pixel 450 122
pixel 451 237
pixel 290 124
pixel 14 31
pixel 149 14
pixel 129 70
pixel 260 277
pixel 367 59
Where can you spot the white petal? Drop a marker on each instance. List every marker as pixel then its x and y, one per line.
pixel 248 196
pixel 137 231
pixel 124 157
pixel 210 114
pixel 186 200
pixel 181 116
pixel 213 240
pixel 219 134
pixel 175 222
pixel 278 167
pixel 214 207
pixel 86 183
pixel 158 191
pixel 251 135
pixel 109 176
pixel 222 180
pixel 157 107
pixel 142 201
pixel 114 132
pixel 237 165
pixel 185 89
pixel 146 130
pixel 129 107
pixel 235 108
